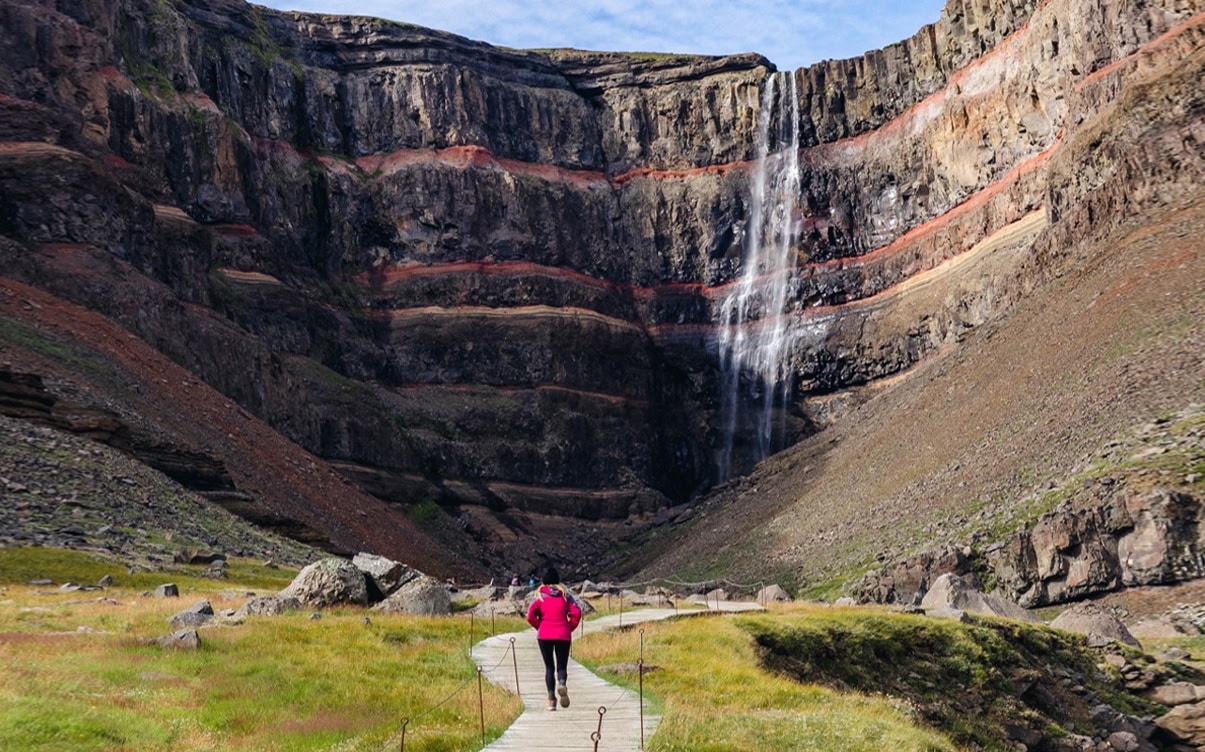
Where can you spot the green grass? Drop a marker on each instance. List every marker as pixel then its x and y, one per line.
pixel 714 693
pixel 962 678
pixel 76 674
pixel 19 566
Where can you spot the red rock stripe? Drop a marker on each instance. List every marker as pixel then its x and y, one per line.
pixel 512 390
pixel 1159 41
pixel 935 225
pixel 387 277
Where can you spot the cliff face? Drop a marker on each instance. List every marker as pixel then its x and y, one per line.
pixel 489 278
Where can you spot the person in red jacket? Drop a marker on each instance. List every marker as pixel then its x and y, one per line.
pixel 555 615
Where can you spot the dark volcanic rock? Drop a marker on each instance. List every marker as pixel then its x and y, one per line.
pixel 487 279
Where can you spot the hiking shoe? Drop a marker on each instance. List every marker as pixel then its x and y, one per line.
pixel 564 693
pixel 551 704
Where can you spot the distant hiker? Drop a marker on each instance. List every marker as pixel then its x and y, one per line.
pixel 531 581
pixel 554 615
pixel 514 586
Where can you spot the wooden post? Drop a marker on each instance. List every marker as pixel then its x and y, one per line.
pixel 481 704
pixel 515 659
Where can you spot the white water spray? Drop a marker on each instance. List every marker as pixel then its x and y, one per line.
pixel 754 332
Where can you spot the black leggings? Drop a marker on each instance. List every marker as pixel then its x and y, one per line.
pixel 559 649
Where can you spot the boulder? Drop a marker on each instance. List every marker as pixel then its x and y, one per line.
pixel 500 607
pixel 952 591
pixel 1159 628
pixel 1173 654
pixel 1124 741
pixel 907 581
pixel 633 598
pixel 1098 624
pixel 949 612
pixel 183 639
pixel 192 556
pixel 588 608
pixel 478 595
pixel 329 582
pixel 384 575
pixel 423 595
pixel 196 615
pixel 1177 693
pixel 167 590
pixel 1185 723
pixel 267 605
pixel 773 594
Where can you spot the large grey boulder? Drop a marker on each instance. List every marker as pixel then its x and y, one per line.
pixel 423 595
pixel 329 582
pixel 384 575
pixel 954 592
pixel 1099 625
pixel 196 615
pixel 482 594
pixel 773 594
pixel 500 607
pixel 267 605
pixel 182 639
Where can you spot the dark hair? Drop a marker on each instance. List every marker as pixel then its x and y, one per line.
pixel 551 576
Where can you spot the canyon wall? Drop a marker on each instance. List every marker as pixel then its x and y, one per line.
pixel 488 278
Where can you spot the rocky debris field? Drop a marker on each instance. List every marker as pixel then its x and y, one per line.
pixel 63 491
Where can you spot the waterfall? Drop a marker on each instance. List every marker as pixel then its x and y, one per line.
pixel 754 330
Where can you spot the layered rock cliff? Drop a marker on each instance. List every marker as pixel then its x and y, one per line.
pixel 489 278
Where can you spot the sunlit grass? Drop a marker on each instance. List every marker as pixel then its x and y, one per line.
pixel 19 566
pixel 713 694
pixel 76 674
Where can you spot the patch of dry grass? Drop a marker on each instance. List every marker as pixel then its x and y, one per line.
pixel 76 674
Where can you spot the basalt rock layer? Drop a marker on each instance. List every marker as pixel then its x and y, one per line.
pixel 489 278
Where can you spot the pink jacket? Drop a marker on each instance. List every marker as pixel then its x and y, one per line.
pixel 553 615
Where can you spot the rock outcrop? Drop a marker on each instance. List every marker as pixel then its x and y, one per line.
pixel 486 281
pixel 1129 516
pixel 1109 536
pixel 1099 625
pixel 424 596
pixel 329 582
pixel 950 591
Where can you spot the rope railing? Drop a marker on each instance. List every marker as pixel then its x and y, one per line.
pixel 398 739
pixel 757 588
pixel 596 736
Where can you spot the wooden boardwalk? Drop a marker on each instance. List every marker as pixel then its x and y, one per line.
pixel 571 729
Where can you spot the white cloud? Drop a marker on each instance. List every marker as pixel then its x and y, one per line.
pixel 789 32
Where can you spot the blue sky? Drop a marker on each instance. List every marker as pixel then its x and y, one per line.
pixel 791 33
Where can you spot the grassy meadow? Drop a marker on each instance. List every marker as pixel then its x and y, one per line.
pixel 76 675
pixel 76 672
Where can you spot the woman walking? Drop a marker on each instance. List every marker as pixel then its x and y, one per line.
pixel 554 615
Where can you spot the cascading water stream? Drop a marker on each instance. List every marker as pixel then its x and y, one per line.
pixel 754 331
